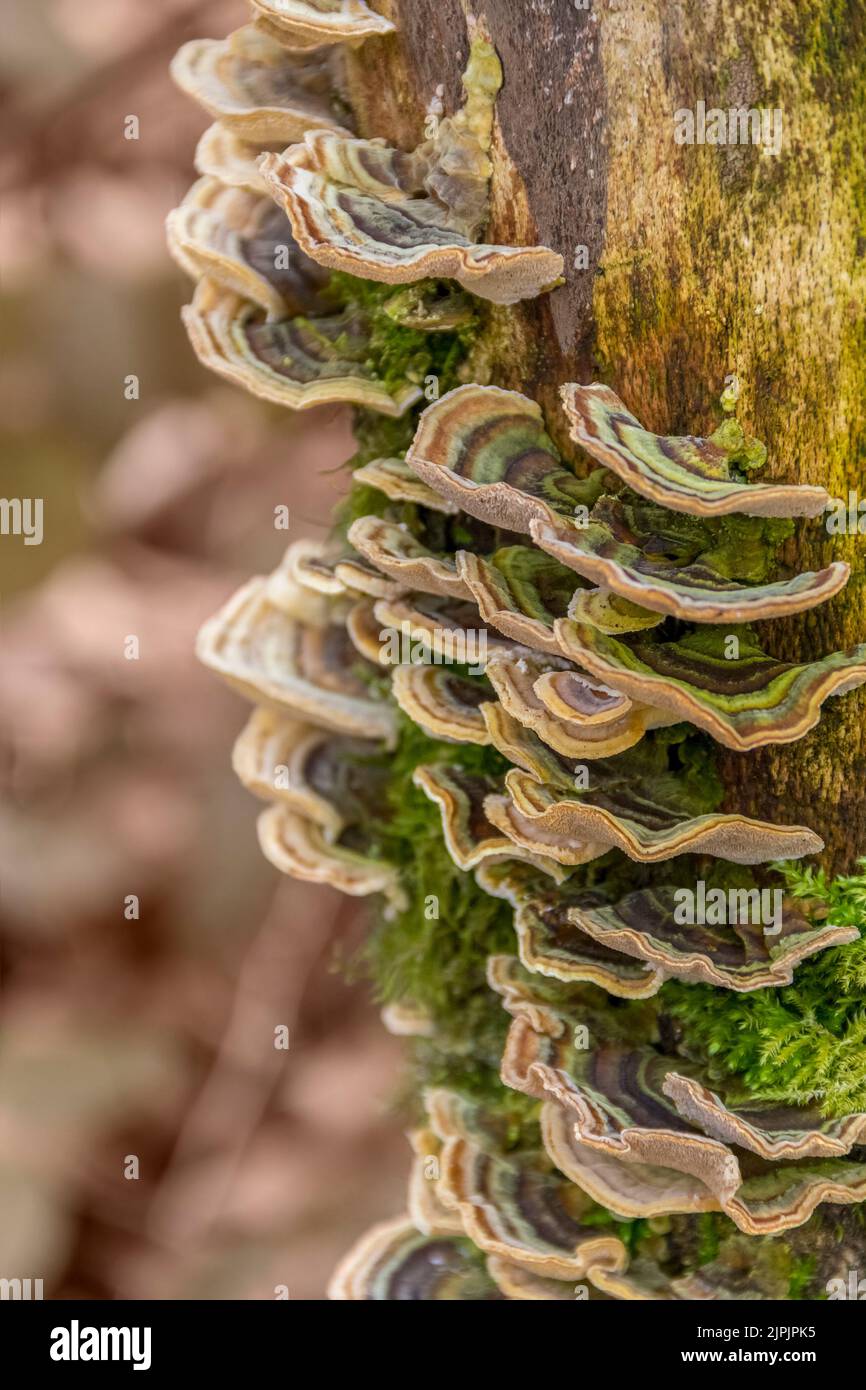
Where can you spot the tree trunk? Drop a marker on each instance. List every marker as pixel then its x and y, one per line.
pixel 701 260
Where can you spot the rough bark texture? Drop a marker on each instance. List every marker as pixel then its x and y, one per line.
pixel 702 260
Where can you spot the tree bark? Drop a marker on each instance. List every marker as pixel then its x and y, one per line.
pixel 701 260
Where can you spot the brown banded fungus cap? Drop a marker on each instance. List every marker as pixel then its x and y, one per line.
pixel 620 548
pixel 639 1189
pixel 470 837
pixel 644 925
pixel 363 632
pixel 630 1106
pixel 570 695
pixel 324 789
pixel 742 957
pixel 395 479
pixel 270 758
pixel 256 87
pixel 395 1261
pixel 308 23
pixel 376 212
pixel 548 942
pixel 514 1205
pixel 309 565
pixel 300 848
pixel 743 702
pixel 519 684
pixel 630 801
pixel 233 235
pixel 487 451
pixel 306 672
pixel 329 778
pixel 684 473
pixel 426 1207
pixel 223 154
pixel 357 576
pixel 391 547
pixel 294 362
pixel 522 1286
pixel 539 1233
pixel 445 629
pixel 443 704
pixel 524 594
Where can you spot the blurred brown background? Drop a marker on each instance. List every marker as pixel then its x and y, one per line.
pixel 153 1037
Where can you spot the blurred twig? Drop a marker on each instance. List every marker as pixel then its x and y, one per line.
pixel 280 959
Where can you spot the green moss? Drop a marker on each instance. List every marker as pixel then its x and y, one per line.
pixel 744 453
pixel 708 1237
pixel 435 952
pixel 831 39
pixel 398 353
pixel 632 1232
pixel 801 1044
pixel 801 1275
pixel 744 547
pixel 360 500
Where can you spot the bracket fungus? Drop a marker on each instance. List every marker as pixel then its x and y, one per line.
pixel 365 207
pixel 256 87
pixel 313 22
pixel 299 847
pixel 357 575
pixel 486 700
pixel 444 705
pixel 224 155
pixel 395 479
pixel 305 671
pixel 630 801
pixel 469 836
pixel 523 1211
pixel 391 548
pixel 550 944
pixel 363 632
pixel 262 314
pixel 552 925
pixel 330 779
pixel 296 362
pixel 527 689
pixel 621 1103
pixel 487 451
pixel 269 758
pixel 687 474
pixel 309 566
pixel 743 702
pixel 741 956
pixel 615 551
pixel 772 1131
pixel 231 235
pixel 443 629
pixel 522 593
pixel 395 1261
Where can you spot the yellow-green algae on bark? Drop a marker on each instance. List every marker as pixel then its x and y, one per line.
pixel 721 259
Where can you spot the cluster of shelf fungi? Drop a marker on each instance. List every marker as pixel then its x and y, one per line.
pixel 599 598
